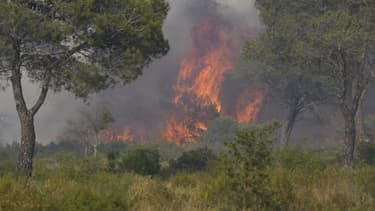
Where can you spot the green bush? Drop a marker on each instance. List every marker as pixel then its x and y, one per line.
pixel 220 130
pixel 366 152
pixel 7 167
pixel 142 161
pixel 252 183
pixel 191 161
pixel 298 160
pixel 112 158
pixel 247 162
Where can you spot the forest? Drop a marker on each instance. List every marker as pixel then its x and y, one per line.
pixel 187 105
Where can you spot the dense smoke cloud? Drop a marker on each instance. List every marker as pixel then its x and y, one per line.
pixel 144 102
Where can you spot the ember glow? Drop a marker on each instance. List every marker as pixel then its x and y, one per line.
pixel 214 47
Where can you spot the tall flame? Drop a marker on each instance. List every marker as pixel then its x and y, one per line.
pixel 199 83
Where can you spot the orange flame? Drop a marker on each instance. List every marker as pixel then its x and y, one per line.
pixel 202 73
pixel 212 56
pixel 125 136
pixel 247 110
pixel 184 130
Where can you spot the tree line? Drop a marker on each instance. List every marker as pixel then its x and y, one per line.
pixel 314 51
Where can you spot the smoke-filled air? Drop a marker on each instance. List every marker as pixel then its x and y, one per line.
pixel 187 105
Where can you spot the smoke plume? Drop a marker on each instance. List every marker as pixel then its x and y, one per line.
pixel 144 104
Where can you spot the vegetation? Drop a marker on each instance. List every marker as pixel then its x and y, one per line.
pixel 79 46
pixel 310 52
pixel 328 41
pixel 250 175
pixel 192 161
pixel 88 127
pixel 142 161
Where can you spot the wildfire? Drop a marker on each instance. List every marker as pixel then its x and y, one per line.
pixel 123 136
pixel 199 82
pixel 212 56
pixel 249 105
pixel 183 130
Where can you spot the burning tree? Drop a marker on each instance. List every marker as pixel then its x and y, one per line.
pixel 199 88
pixel 79 46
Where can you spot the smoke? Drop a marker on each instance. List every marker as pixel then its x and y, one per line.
pixel 144 104
pixel 239 11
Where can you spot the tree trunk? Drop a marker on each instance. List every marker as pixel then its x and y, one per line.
pixel 26 116
pixel 95 145
pixel 26 151
pixel 288 127
pixel 360 125
pixel 350 106
pixel 85 150
pixel 95 150
pixel 350 138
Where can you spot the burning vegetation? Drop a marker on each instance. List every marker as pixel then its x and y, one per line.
pixel 200 93
pixel 204 88
pixel 199 85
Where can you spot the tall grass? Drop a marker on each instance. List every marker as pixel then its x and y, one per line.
pixel 299 181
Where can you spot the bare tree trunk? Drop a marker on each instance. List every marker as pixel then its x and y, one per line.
pixel 360 125
pixel 26 151
pixel 288 127
pixel 85 150
pixel 350 106
pixel 350 139
pixel 95 150
pixel 95 145
pixel 26 117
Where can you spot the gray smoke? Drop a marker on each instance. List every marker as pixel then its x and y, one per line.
pixel 146 101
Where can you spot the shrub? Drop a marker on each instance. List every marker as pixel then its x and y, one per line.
pixel 191 161
pixel 7 167
pixel 142 161
pixel 366 152
pixel 219 131
pixel 112 158
pixel 247 161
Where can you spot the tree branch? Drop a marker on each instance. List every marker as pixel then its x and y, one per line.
pixel 48 75
pixel 16 76
pixel 42 96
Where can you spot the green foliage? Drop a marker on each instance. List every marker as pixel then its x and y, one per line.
pixel 63 182
pixel 369 125
pixel 299 160
pixel 366 152
pixel 331 42
pixel 7 167
pixel 168 150
pixel 8 152
pixel 191 161
pixel 105 118
pixel 247 162
pixel 65 194
pixel 142 161
pixel 220 130
pixel 112 158
pixel 83 46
